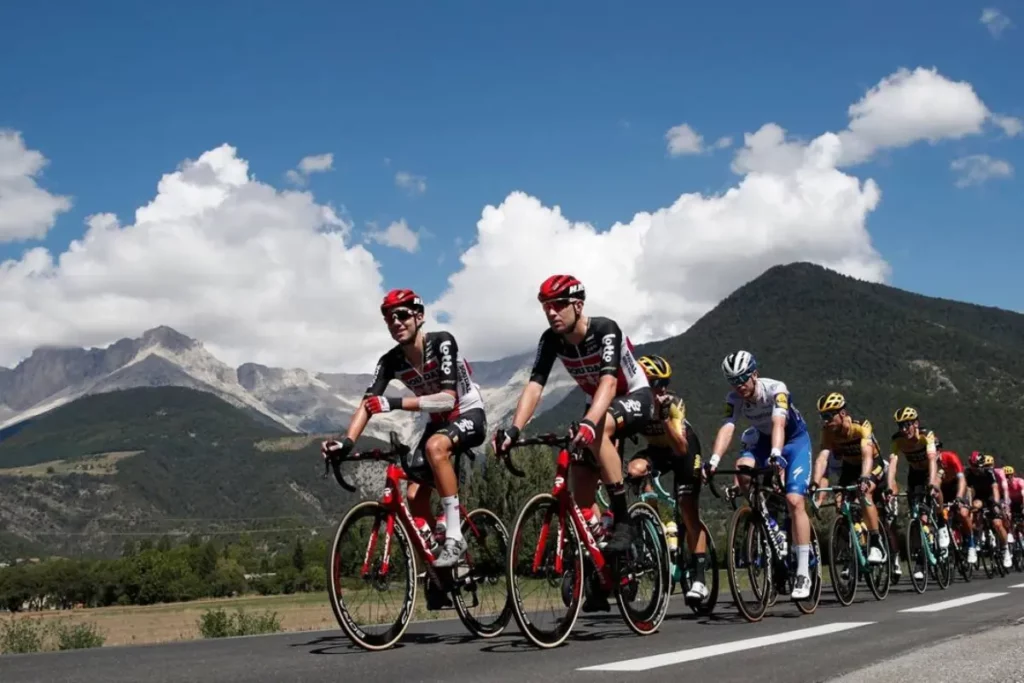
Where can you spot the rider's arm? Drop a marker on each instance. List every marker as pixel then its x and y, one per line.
pixel 894 460
pixel 819 466
pixel 675 427
pixel 527 403
pixel 996 490
pixel 779 414
pixel 725 432
pixel 611 362
pixel 961 485
pixel 382 375
pixel 933 457
pixel 867 449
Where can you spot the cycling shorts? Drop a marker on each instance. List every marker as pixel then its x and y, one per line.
pixel 685 469
pixel 631 412
pixel 796 457
pixel 466 431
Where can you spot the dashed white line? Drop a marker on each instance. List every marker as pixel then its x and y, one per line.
pixel 949 604
pixel 680 656
pixel 1017 585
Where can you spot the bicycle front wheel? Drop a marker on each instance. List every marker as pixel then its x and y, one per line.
pixel 842 561
pixel 357 577
pixel 646 563
pixel 536 566
pixel 481 589
pixel 750 563
pixel 706 607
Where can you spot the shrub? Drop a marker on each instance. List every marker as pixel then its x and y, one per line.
pixel 219 624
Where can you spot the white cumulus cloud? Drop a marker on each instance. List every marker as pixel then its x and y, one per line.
pixel 683 139
pixel 27 211
pixel 398 235
pixel 995 21
pixel 977 168
pixel 413 184
pixel 308 165
pixel 1011 125
pixel 259 274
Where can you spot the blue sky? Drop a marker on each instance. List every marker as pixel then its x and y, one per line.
pixel 569 103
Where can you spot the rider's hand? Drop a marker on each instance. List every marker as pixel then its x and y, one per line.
pixel 864 483
pixel 381 404
pixel 585 433
pixel 710 466
pixel 331 448
pixel 775 459
pixel 504 439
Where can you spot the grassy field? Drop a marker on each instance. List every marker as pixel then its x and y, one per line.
pixel 101 464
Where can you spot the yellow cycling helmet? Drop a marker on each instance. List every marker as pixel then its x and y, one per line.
pixel 1008 470
pixel 988 461
pixel 657 369
pixel 831 402
pixel 906 414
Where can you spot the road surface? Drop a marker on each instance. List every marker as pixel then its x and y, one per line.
pixel 835 643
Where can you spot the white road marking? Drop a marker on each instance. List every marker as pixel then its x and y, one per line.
pixel 679 656
pixel 1017 585
pixel 949 604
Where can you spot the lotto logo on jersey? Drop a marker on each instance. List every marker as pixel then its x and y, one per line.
pixel 446 357
pixel 631 405
pixel 465 425
pixel 782 401
pixel 608 348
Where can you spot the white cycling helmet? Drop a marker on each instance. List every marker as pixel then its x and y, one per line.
pixel 739 364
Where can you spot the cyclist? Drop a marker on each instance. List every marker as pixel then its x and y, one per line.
pixel 852 446
pixel 1015 486
pixel 920 447
pixel 600 358
pixel 982 480
pixel 1001 479
pixel 430 365
pixel 673 446
pixel 783 440
pixel 953 486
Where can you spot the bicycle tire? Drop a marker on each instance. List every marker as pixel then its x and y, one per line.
pixel 915 530
pixel 536 636
pixel 745 521
pixel 706 607
pixel 879 577
pixel 476 626
pixel 647 621
pixel 840 530
pixel 810 603
pixel 341 613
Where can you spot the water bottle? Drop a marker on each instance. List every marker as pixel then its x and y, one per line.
pixel 672 536
pixel 780 538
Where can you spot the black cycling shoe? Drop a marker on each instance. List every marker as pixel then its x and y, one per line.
pixel 621 538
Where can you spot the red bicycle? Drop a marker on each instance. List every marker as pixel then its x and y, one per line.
pixel 556 559
pixel 357 575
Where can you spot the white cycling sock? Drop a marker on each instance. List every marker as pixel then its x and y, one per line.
pixel 451 517
pixel 803 555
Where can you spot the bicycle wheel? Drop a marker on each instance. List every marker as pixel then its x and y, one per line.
pixel 707 606
pixel 943 569
pixel 532 566
pixel 648 559
pixel 917 561
pixel 842 561
pixel 879 576
pixel 358 577
pixel 479 576
pixel 750 558
pixel 810 603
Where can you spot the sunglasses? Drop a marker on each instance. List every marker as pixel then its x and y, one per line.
pixel 905 425
pixel 399 314
pixel 827 416
pixel 741 380
pixel 558 305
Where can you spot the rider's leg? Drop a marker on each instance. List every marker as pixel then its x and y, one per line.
pixel 439 452
pixel 607 456
pixel 798 477
pixel 418 497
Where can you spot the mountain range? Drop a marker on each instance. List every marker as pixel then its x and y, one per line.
pixel 155 433
pixel 301 401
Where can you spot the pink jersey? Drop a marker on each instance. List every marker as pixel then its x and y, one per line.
pixel 1016 485
pixel 1000 478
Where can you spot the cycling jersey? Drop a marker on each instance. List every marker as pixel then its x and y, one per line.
pixel 915 450
pixel 771 397
pixel 846 444
pixel 950 466
pixel 604 351
pixel 1016 486
pixel 654 432
pixel 443 369
pixel 982 481
pixel 1000 478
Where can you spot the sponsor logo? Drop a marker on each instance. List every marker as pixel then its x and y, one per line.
pixel 608 348
pixel 630 363
pixel 466 425
pixel 631 405
pixel 446 357
pixel 782 401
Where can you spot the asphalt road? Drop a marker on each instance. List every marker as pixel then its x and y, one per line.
pixel 786 646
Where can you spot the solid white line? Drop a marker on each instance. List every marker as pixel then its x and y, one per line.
pixel 949 604
pixel 668 658
pixel 1017 585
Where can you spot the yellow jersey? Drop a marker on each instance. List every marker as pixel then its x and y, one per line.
pixel 846 444
pixel 916 450
pixel 654 431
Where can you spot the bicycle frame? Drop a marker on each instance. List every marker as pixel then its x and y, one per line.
pixel 846 510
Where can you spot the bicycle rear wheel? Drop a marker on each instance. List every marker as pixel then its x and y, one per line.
pixel 879 576
pixel 479 580
pixel 648 559
pixel 355 576
pixel 532 568
pixel 810 603
pixel 917 560
pixel 750 563
pixel 706 607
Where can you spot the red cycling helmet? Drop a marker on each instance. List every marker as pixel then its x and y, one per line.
pixel 561 287
pixel 401 297
pixel 976 459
